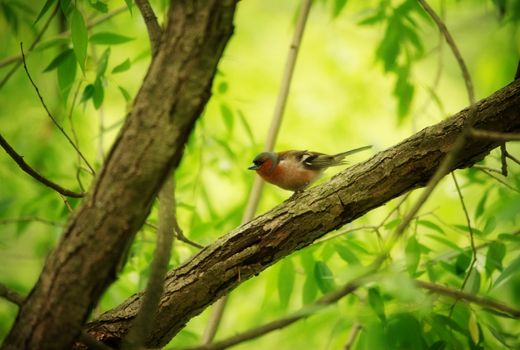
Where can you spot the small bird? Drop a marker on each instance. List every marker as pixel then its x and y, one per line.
pixel 295 170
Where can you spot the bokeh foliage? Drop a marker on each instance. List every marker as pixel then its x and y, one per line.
pixel 369 72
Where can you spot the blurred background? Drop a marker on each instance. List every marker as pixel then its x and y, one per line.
pixel 368 73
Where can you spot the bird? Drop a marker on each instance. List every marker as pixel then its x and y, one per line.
pixel 295 170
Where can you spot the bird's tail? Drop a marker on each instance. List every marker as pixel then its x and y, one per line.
pixel 323 161
pixel 340 156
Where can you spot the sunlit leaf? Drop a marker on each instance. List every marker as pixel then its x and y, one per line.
pixel 227 116
pixel 99 6
pixel 285 281
pixel 473 283
pixel 324 277
pixel 79 36
pixel 346 254
pixel 107 38
pixel 44 9
pixel 103 62
pixel 88 92
pixel 513 267
pixel 430 225
pixel 495 254
pixel 337 7
pixel 473 328
pixel 99 93
pixel 413 255
pixel 481 205
pixel 376 303
pixel 491 224
pixel 122 67
pixel 129 4
pixel 125 94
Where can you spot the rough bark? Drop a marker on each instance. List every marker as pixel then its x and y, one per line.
pixel 294 224
pixel 174 92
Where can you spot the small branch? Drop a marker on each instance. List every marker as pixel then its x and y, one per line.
pixel 458 294
pixel 483 167
pixel 179 234
pixel 508 155
pixel 493 135
pixel 49 113
pixel 31 219
pixel 503 160
pixel 499 180
pixel 356 328
pixel 33 173
pixel 456 52
pixel 142 325
pixel 276 121
pixel 471 236
pixel 304 312
pixel 11 295
pixel 152 25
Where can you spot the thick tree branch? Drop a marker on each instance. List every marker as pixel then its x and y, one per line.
pixel 173 95
pixel 294 224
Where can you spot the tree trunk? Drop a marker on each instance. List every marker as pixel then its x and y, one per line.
pixel 294 224
pixel 173 95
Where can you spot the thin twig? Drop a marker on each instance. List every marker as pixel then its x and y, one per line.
pixel 11 295
pixel 493 135
pixel 179 234
pixel 471 234
pixel 75 135
pixel 483 167
pixel 510 156
pixel 459 143
pixel 34 43
pixel 356 328
pixel 50 115
pixel 276 121
pixel 143 323
pixel 33 173
pixel 152 25
pixel 31 219
pixel 503 160
pixel 472 298
pixel 499 180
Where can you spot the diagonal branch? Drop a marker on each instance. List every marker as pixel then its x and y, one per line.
pixel 152 25
pixel 27 168
pixel 251 248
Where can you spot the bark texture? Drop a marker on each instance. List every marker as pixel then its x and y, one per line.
pixel 294 224
pixel 174 92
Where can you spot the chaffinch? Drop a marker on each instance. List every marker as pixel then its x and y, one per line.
pixel 295 170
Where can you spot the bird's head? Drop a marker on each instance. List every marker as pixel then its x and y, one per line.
pixel 265 163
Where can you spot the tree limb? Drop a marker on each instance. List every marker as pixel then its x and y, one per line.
pixel 294 224
pixel 152 25
pixel 172 97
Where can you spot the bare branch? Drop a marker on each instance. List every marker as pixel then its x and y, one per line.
pixel 510 156
pixel 33 173
pixel 356 328
pixel 11 295
pixel 499 179
pixel 143 322
pixel 475 299
pixel 50 115
pixel 503 159
pixel 152 25
pixel 493 135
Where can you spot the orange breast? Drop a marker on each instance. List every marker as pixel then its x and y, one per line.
pixel 290 175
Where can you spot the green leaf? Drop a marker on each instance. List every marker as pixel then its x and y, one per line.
pixel 222 87
pixel 413 255
pixel 346 254
pixel 51 43
pixel 125 94
pixel 227 116
pixel 430 225
pixel 473 283
pixel 79 36
pixel 122 67
pixel 481 205
pixel 99 93
pixel 107 38
pixel 513 267
pixel 129 5
pixel 491 224
pixel 103 63
pixel 246 126
pixel 377 17
pixel 58 60
pixel 10 16
pixel 44 9
pixel 462 262
pixel 495 254
pixel 88 92
pixel 66 74
pixel 403 331
pixel 310 290
pixel 376 302
pixel 285 282
pixel 324 277
pixel 99 6
pixel 337 7
pixel 473 328
pixel 404 92
pixel 66 7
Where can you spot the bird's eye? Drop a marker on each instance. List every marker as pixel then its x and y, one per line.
pixel 257 162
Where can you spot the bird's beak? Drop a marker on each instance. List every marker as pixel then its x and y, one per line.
pixel 254 167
